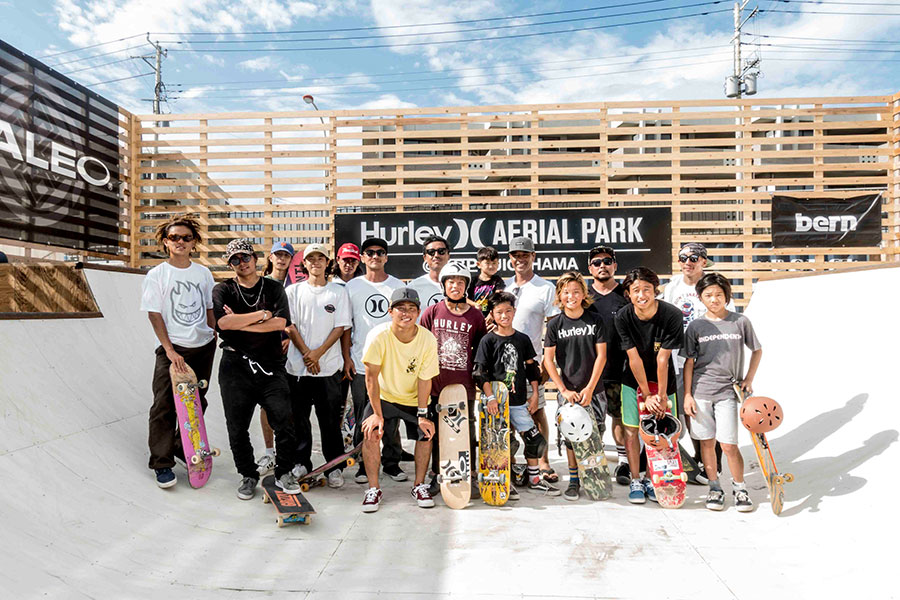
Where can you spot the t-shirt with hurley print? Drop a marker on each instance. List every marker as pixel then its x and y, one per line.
pixel 458 337
pixel 717 348
pixel 576 342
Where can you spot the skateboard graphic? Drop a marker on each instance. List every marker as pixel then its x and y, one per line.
pixel 774 480
pixel 291 508
pixel 593 469
pixel 493 448
pixel 197 453
pixel 296 271
pixel 663 453
pixel 455 474
pixel 316 477
pixel 348 422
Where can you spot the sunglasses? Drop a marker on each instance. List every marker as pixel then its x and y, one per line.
pixel 597 262
pixel 693 258
pixel 438 251
pixel 371 253
pixel 174 237
pixel 238 259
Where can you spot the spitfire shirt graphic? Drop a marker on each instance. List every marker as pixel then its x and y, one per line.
pixel 182 297
pixel 186 300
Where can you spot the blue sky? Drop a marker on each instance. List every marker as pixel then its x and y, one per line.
pixel 664 54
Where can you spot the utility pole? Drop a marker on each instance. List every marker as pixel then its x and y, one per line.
pixel 741 81
pixel 159 89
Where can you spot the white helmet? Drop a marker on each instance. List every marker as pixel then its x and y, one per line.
pixel 574 422
pixel 452 269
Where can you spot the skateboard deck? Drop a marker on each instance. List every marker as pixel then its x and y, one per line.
pixel 453 441
pixel 316 477
pixel 295 272
pixel 291 508
pixel 493 449
pixel 664 466
pixel 197 453
pixel 348 422
pixel 593 469
pixel 774 480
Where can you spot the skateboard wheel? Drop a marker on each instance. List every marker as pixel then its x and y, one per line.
pixel 440 478
pixel 480 477
pixel 280 521
pixel 779 480
pixel 655 479
pixel 684 477
pixel 181 387
pixel 502 478
pixel 202 384
pixel 216 452
pixel 351 461
pixel 788 477
pixel 304 487
pixel 266 499
pixel 195 460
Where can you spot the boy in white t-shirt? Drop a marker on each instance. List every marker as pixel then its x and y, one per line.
pixel 320 311
pixel 177 296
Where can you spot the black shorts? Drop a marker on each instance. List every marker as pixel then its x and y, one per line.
pixel 407 414
pixel 613 399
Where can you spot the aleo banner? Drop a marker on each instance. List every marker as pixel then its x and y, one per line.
pixel 826 222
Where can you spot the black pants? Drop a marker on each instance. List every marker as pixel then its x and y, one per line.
pixel 391 450
pixel 433 415
pixel 163 436
pixel 323 393
pixel 244 386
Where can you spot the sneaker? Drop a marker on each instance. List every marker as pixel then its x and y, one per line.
pixel 336 479
pixel 637 495
pixel 406 456
pixel 543 487
pixel 396 473
pixel 649 491
pixel 247 489
pixel 513 493
pixel 423 498
pixel 299 471
pixel 165 478
pixel 520 475
pixel 701 478
pixel 715 500
pixel 571 492
pixel 265 463
pixel 287 483
pixel 361 476
pixel 742 501
pixel 623 474
pixel 434 488
pixel 371 500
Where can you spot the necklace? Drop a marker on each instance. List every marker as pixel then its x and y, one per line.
pixel 258 296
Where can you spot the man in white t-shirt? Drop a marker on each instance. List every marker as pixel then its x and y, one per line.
pixel 435 254
pixel 369 303
pixel 320 312
pixel 177 296
pixel 534 305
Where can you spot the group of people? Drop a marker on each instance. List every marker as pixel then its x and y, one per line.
pixel 394 347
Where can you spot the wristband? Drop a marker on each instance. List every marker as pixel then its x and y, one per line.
pixel 491 397
pixel 422 412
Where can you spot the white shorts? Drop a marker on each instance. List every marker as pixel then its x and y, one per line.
pixel 542 401
pixel 716 419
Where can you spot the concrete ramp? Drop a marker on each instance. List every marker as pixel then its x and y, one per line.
pixel 82 517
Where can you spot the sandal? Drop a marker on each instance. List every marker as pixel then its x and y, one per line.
pixel 549 475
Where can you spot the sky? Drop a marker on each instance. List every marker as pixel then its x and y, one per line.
pixel 228 55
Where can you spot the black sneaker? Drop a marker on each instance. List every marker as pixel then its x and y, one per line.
pixel 434 488
pixel 571 492
pixel 542 487
pixel 623 474
pixel 513 493
pixel 715 500
pixel 742 501
pixel 406 456
pixel 165 478
pixel 396 473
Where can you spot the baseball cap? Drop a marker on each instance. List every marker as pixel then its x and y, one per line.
pixel 348 250
pixel 320 248
pixel 697 248
pixel 602 250
pixel 239 246
pixel 282 247
pixel 521 244
pixel 405 294
pixel 373 241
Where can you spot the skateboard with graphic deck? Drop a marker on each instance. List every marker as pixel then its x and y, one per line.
pixel 348 422
pixel 664 455
pixel 296 272
pixel 189 412
pixel 453 442
pixel 493 448
pixel 593 470
pixel 774 480
pixel 316 477
pixel 291 508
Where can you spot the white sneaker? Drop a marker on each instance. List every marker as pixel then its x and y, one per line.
pixel 336 479
pixel 299 471
pixel 265 463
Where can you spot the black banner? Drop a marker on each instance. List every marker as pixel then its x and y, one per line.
pixel 59 158
pixel 826 222
pixel 640 236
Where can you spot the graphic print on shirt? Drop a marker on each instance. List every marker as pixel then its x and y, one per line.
pixel 454 351
pixel 510 360
pixel 435 298
pixel 688 310
pixel 376 306
pixel 186 299
pixel 411 367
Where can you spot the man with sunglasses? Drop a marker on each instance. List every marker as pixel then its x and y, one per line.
pixel 609 296
pixel 251 313
pixel 177 296
pixel 369 305
pixel 435 254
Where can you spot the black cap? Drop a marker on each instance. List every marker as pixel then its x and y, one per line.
pixel 601 250
pixel 373 241
pixel 405 294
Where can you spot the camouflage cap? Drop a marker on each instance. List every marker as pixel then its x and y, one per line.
pixel 239 246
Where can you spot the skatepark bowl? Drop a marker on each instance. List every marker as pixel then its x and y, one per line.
pixel 82 516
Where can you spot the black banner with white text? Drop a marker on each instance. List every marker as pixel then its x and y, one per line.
pixel 826 222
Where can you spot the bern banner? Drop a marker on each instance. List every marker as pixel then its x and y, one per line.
pixel 59 159
pixel 826 222
pixel 562 238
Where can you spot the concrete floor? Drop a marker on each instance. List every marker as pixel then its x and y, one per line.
pixel 82 517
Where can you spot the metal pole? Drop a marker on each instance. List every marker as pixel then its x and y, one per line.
pixel 736 42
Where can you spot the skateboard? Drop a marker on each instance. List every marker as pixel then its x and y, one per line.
pixel 295 272
pixel 197 453
pixel 348 422
pixel 291 508
pixel 664 454
pixel 593 470
pixel 774 480
pixel 316 477
pixel 493 448
pixel 455 474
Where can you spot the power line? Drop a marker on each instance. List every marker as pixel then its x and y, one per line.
pixel 121 79
pixel 828 48
pixel 91 46
pixel 823 12
pixel 106 64
pixel 789 37
pixel 68 62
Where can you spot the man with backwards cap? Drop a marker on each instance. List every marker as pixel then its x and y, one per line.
pixel 369 304
pixel 401 361
pixel 320 312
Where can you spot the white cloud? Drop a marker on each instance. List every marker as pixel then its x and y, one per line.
pixel 263 63
pixel 214 60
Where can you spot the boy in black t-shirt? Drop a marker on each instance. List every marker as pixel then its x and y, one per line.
pixel 487 282
pixel 575 340
pixel 507 355
pixel 649 329
pixel 251 312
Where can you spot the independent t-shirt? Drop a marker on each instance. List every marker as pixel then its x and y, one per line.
pixel 717 348
pixel 661 331
pixel 576 342
pixel 182 297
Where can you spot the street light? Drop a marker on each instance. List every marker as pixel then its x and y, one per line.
pixel 310 100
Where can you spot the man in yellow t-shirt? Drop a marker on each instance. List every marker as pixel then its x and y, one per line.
pixel 400 362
